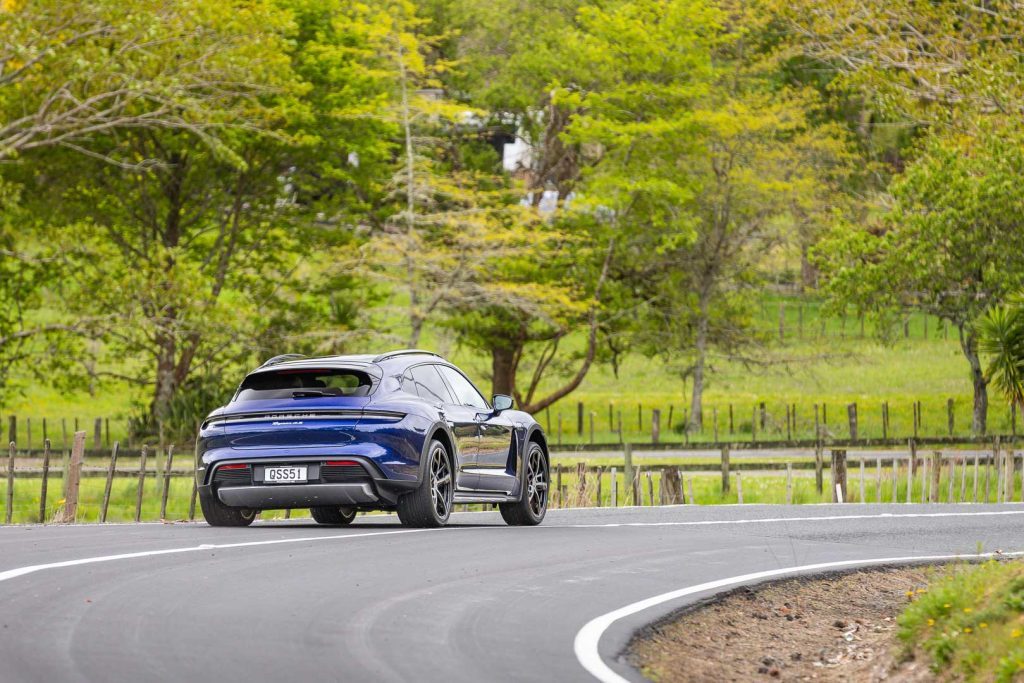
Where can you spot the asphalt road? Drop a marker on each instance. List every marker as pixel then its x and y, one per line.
pixel 477 601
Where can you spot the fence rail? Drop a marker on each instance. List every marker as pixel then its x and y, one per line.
pixel 158 484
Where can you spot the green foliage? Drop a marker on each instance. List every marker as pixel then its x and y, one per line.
pixel 970 621
pixel 1001 333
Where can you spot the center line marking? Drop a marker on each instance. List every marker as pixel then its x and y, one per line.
pixel 31 569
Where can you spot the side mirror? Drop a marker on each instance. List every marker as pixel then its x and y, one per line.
pixel 501 402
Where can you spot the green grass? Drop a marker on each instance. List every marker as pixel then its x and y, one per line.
pixel 831 370
pixel 970 623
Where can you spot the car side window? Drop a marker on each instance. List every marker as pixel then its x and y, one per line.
pixel 465 393
pixel 429 384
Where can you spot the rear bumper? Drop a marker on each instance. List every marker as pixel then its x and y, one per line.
pixel 283 496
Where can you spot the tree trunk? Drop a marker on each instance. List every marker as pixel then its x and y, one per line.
pixel 969 345
pixel 808 273
pixel 166 383
pixel 503 370
pixel 697 397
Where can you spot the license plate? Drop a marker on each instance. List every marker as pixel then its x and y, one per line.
pixel 284 475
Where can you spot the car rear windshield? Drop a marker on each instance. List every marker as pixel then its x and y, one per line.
pixel 304 383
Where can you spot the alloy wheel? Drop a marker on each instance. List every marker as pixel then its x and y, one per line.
pixel 537 482
pixel 440 483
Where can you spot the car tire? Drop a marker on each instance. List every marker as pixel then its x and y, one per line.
pixel 430 504
pixel 333 516
pixel 531 508
pixel 217 513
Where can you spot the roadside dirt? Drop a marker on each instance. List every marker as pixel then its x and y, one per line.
pixel 837 628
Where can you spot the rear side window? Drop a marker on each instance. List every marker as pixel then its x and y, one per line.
pixel 304 383
pixel 429 385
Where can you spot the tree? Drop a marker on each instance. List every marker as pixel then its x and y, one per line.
pixel 212 253
pixel 71 71
pixel 944 246
pixel 1001 338
pixel 933 63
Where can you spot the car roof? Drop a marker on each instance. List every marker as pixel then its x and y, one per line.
pixel 352 360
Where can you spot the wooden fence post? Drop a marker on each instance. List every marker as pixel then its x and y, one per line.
pixel 732 428
pixel 142 484
pixel 619 415
pixel 97 433
pixel 725 469
pixel 671 409
pixel 963 480
pixel 789 483
pixel 639 417
pixel 818 466
pixel 910 479
pixel 739 487
pixel 638 488
pixel 43 486
pixel 878 480
pixel 949 414
pixel 627 470
pixel 975 498
pixel 579 418
pixel 839 490
pixel 952 477
pixel 863 497
pixel 615 488
pixel 9 506
pixel 851 413
pixel 598 493
pixel 111 468
pixel 74 478
pixel 895 480
pixel 936 476
pixel 885 419
pixel 655 426
pixel 789 425
pixel 12 429
pixel 650 487
pixel 997 464
pixel 671 485
pixel 167 482
pixel 558 486
pixel 192 500
pixel 764 417
pixel 65 456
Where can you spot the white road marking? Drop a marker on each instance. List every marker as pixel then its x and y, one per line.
pixel 773 520
pixel 31 569
pixel 586 643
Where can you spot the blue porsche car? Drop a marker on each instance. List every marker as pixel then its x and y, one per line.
pixel 404 431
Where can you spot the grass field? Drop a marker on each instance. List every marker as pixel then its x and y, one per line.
pixel 829 365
